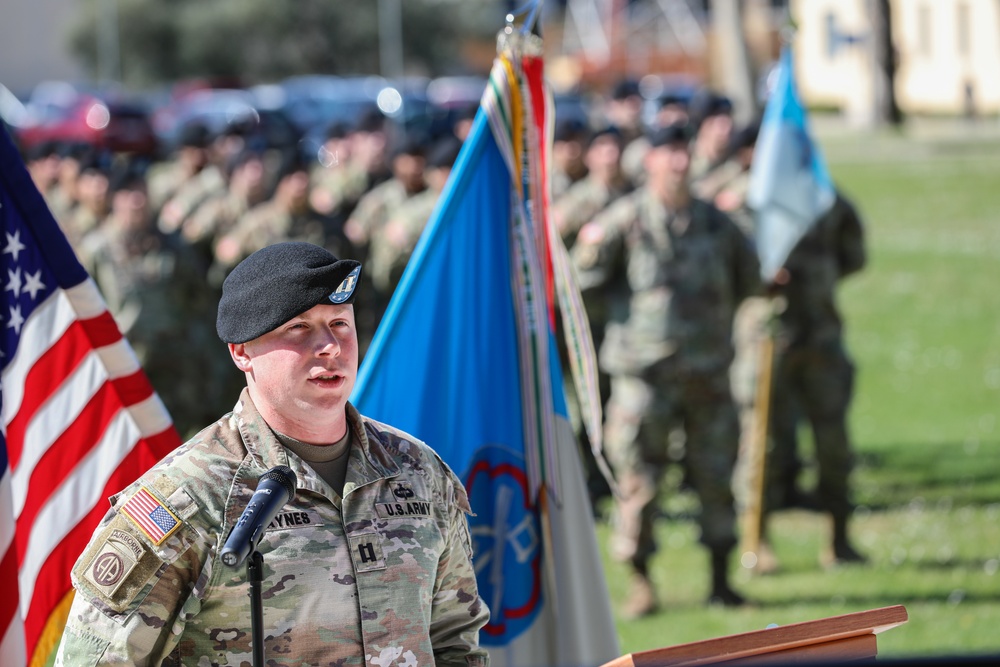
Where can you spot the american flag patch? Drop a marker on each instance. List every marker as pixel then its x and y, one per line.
pixel 151 516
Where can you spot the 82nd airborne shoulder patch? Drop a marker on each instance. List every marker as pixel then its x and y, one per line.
pixel 114 562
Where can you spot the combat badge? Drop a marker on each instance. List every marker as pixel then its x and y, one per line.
pixel 405 503
pixel 114 562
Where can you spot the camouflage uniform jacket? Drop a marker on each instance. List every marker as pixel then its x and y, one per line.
pixel 381 577
pixel 389 251
pixel 582 201
pixel 684 274
pixel 269 222
pixel 832 249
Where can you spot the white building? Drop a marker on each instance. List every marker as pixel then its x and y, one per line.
pixel 948 55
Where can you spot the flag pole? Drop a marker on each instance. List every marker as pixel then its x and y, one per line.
pixel 753 512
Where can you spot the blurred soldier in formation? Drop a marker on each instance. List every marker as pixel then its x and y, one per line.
pixel 287 216
pixel 727 184
pixel 153 287
pixel 603 184
pixel 813 374
pixel 208 183
pixel 390 251
pixel 712 115
pixel 42 162
pixel 672 110
pixel 94 204
pixel 352 165
pixel 568 142
pixel 330 171
pixel 246 187
pixel 64 198
pixel 367 223
pixel 623 110
pixel 166 178
pixel 686 267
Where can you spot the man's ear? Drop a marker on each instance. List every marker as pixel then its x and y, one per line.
pixel 238 351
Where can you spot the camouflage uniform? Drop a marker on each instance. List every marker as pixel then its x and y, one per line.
pixel 381 576
pixel 269 223
pixel 685 272
pixel 344 184
pixel 368 220
pixel 750 324
pixel 164 180
pixel 210 182
pixel 153 287
pixel 390 250
pixel 813 375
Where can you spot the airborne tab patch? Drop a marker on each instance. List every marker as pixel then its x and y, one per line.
pixel 151 516
pixel 114 561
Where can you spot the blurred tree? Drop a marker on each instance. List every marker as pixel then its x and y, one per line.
pixel 260 41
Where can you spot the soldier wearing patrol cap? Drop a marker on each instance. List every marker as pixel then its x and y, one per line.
pixel 369 562
pixel 682 267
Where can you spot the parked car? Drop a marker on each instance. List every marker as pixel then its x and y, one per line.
pixel 315 103
pixel 105 124
pixel 220 108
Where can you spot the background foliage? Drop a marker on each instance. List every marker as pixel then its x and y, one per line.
pixel 259 41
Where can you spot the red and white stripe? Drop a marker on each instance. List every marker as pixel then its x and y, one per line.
pixel 81 422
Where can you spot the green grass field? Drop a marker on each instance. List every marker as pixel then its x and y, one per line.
pixel 923 325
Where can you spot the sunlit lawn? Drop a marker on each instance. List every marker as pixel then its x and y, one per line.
pixel 924 329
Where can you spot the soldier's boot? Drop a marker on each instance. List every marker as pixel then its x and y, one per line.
pixel 840 551
pixel 641 599
pixel 722 593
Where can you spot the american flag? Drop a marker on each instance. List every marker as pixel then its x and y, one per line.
pixel 150 515
pixel 79 421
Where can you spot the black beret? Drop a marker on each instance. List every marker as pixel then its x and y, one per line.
pixel 674 133
pixel 606 131
pixel 278 282
pixel 707 102
pixel 625 89
pixel 195 135
pixel 444 153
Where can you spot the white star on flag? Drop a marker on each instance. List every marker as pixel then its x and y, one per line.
pixel 15 319
pixel 15 281
pixel 14 245
pixel 33 284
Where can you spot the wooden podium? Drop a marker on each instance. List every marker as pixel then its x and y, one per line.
pixel 843 638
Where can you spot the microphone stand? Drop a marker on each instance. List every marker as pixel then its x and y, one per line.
pixel 255 575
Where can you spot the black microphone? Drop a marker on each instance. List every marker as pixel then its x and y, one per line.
pixel 275 488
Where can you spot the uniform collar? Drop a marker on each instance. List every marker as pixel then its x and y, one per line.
pixel 369 459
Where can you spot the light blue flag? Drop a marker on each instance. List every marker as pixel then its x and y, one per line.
pixel 445 366
pixel 790 187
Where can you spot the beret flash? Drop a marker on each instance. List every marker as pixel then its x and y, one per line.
pixel 278 282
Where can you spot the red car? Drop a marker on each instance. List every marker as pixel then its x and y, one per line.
pixel 119 127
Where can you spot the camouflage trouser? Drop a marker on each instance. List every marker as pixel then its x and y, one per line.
pixel 641 414
pixel 815 382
